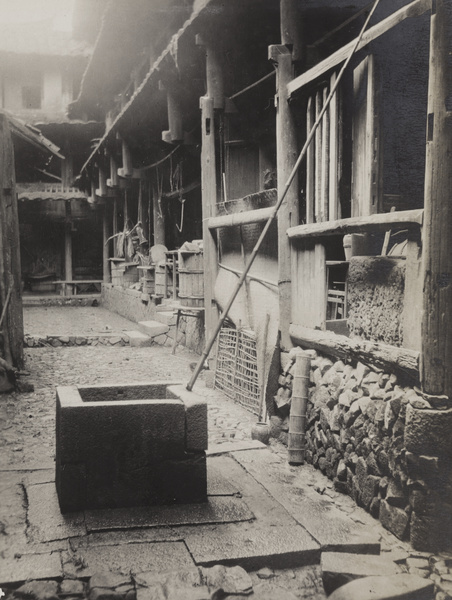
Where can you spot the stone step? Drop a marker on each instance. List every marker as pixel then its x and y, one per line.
pixel 166 316
pixel 339 568
pixel 394 587
pixel 152 328
pixel 137 339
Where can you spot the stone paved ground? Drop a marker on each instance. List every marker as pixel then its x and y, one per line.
pixel 27 429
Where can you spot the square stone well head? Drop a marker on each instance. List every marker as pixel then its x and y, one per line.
pixel 130 445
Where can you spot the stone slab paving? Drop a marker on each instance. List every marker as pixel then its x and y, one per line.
pixel 128 558
pixel 338 568
pixel 72 320
pixel 27 460
pixel 45 521
pixel 216 510
pixel 395 587
pixel 254 547
pixel 330 527
pixel 30 566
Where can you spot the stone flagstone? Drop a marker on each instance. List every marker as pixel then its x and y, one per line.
pixel 338 568
pixel 395 587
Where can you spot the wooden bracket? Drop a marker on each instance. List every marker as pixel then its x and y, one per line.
pixel 276 50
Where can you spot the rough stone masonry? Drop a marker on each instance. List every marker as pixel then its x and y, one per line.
pixel 382 442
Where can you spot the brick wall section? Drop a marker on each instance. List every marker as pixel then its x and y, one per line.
pixel 129 304
pixel 381 442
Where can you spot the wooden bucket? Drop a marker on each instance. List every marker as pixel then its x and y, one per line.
pixel 160 275
pixel 191 279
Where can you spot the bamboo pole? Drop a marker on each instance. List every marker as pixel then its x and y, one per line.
pixel 298 407
pixel 276 208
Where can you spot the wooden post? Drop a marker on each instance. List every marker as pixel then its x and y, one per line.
pixel 209 196
pixel 113 179
pixel 287 153
pixel 102 189
pixel 10 272
pixel 127 168
pixel 210 105
pixel 105 245
pixel 115 224
pixel 68 244
pixel 159 221
pixel 175 119
pixel 436 371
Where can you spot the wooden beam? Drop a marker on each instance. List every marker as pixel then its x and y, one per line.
pixel 259 215
pixel 367 224
pixel 414 9
pixel 286 157
pixel 437 239
pixel 389 358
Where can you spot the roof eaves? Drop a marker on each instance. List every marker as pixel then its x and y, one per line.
pixel 155 69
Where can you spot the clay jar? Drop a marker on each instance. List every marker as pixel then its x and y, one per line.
pixel 261 432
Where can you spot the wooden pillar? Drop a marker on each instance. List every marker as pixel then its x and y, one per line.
pixel 12 329
pixel 127 168
pixel 159 220
pixel 113 179
pixel 68 244
pixel 115 224
pixel 287 151
pixel 210 105
pixel 105 245
pixel 436 371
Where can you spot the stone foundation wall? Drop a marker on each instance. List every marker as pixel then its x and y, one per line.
pixel 129 304
pixel 381 442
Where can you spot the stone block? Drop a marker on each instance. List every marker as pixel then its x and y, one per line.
pixel 428 431
pixel 392 587
pixel 121 446
pixel 195 417
pixel 153 328
pixel 394 519
pixel 38 590
pixel 339 568
pixel 137 339
pixel 432 530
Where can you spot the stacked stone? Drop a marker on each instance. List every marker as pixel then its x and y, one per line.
pixel 382 443
pixel 56 341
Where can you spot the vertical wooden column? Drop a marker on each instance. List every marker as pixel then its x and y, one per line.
pixel 436 371
pixel 287 151
pixel 159 221
pixel 210 105
pixel 115 224
pixel 12 329
pixel 105 245
pixel 209 197
pixel 68 243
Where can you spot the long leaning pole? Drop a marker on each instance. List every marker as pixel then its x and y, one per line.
pixel 276 208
